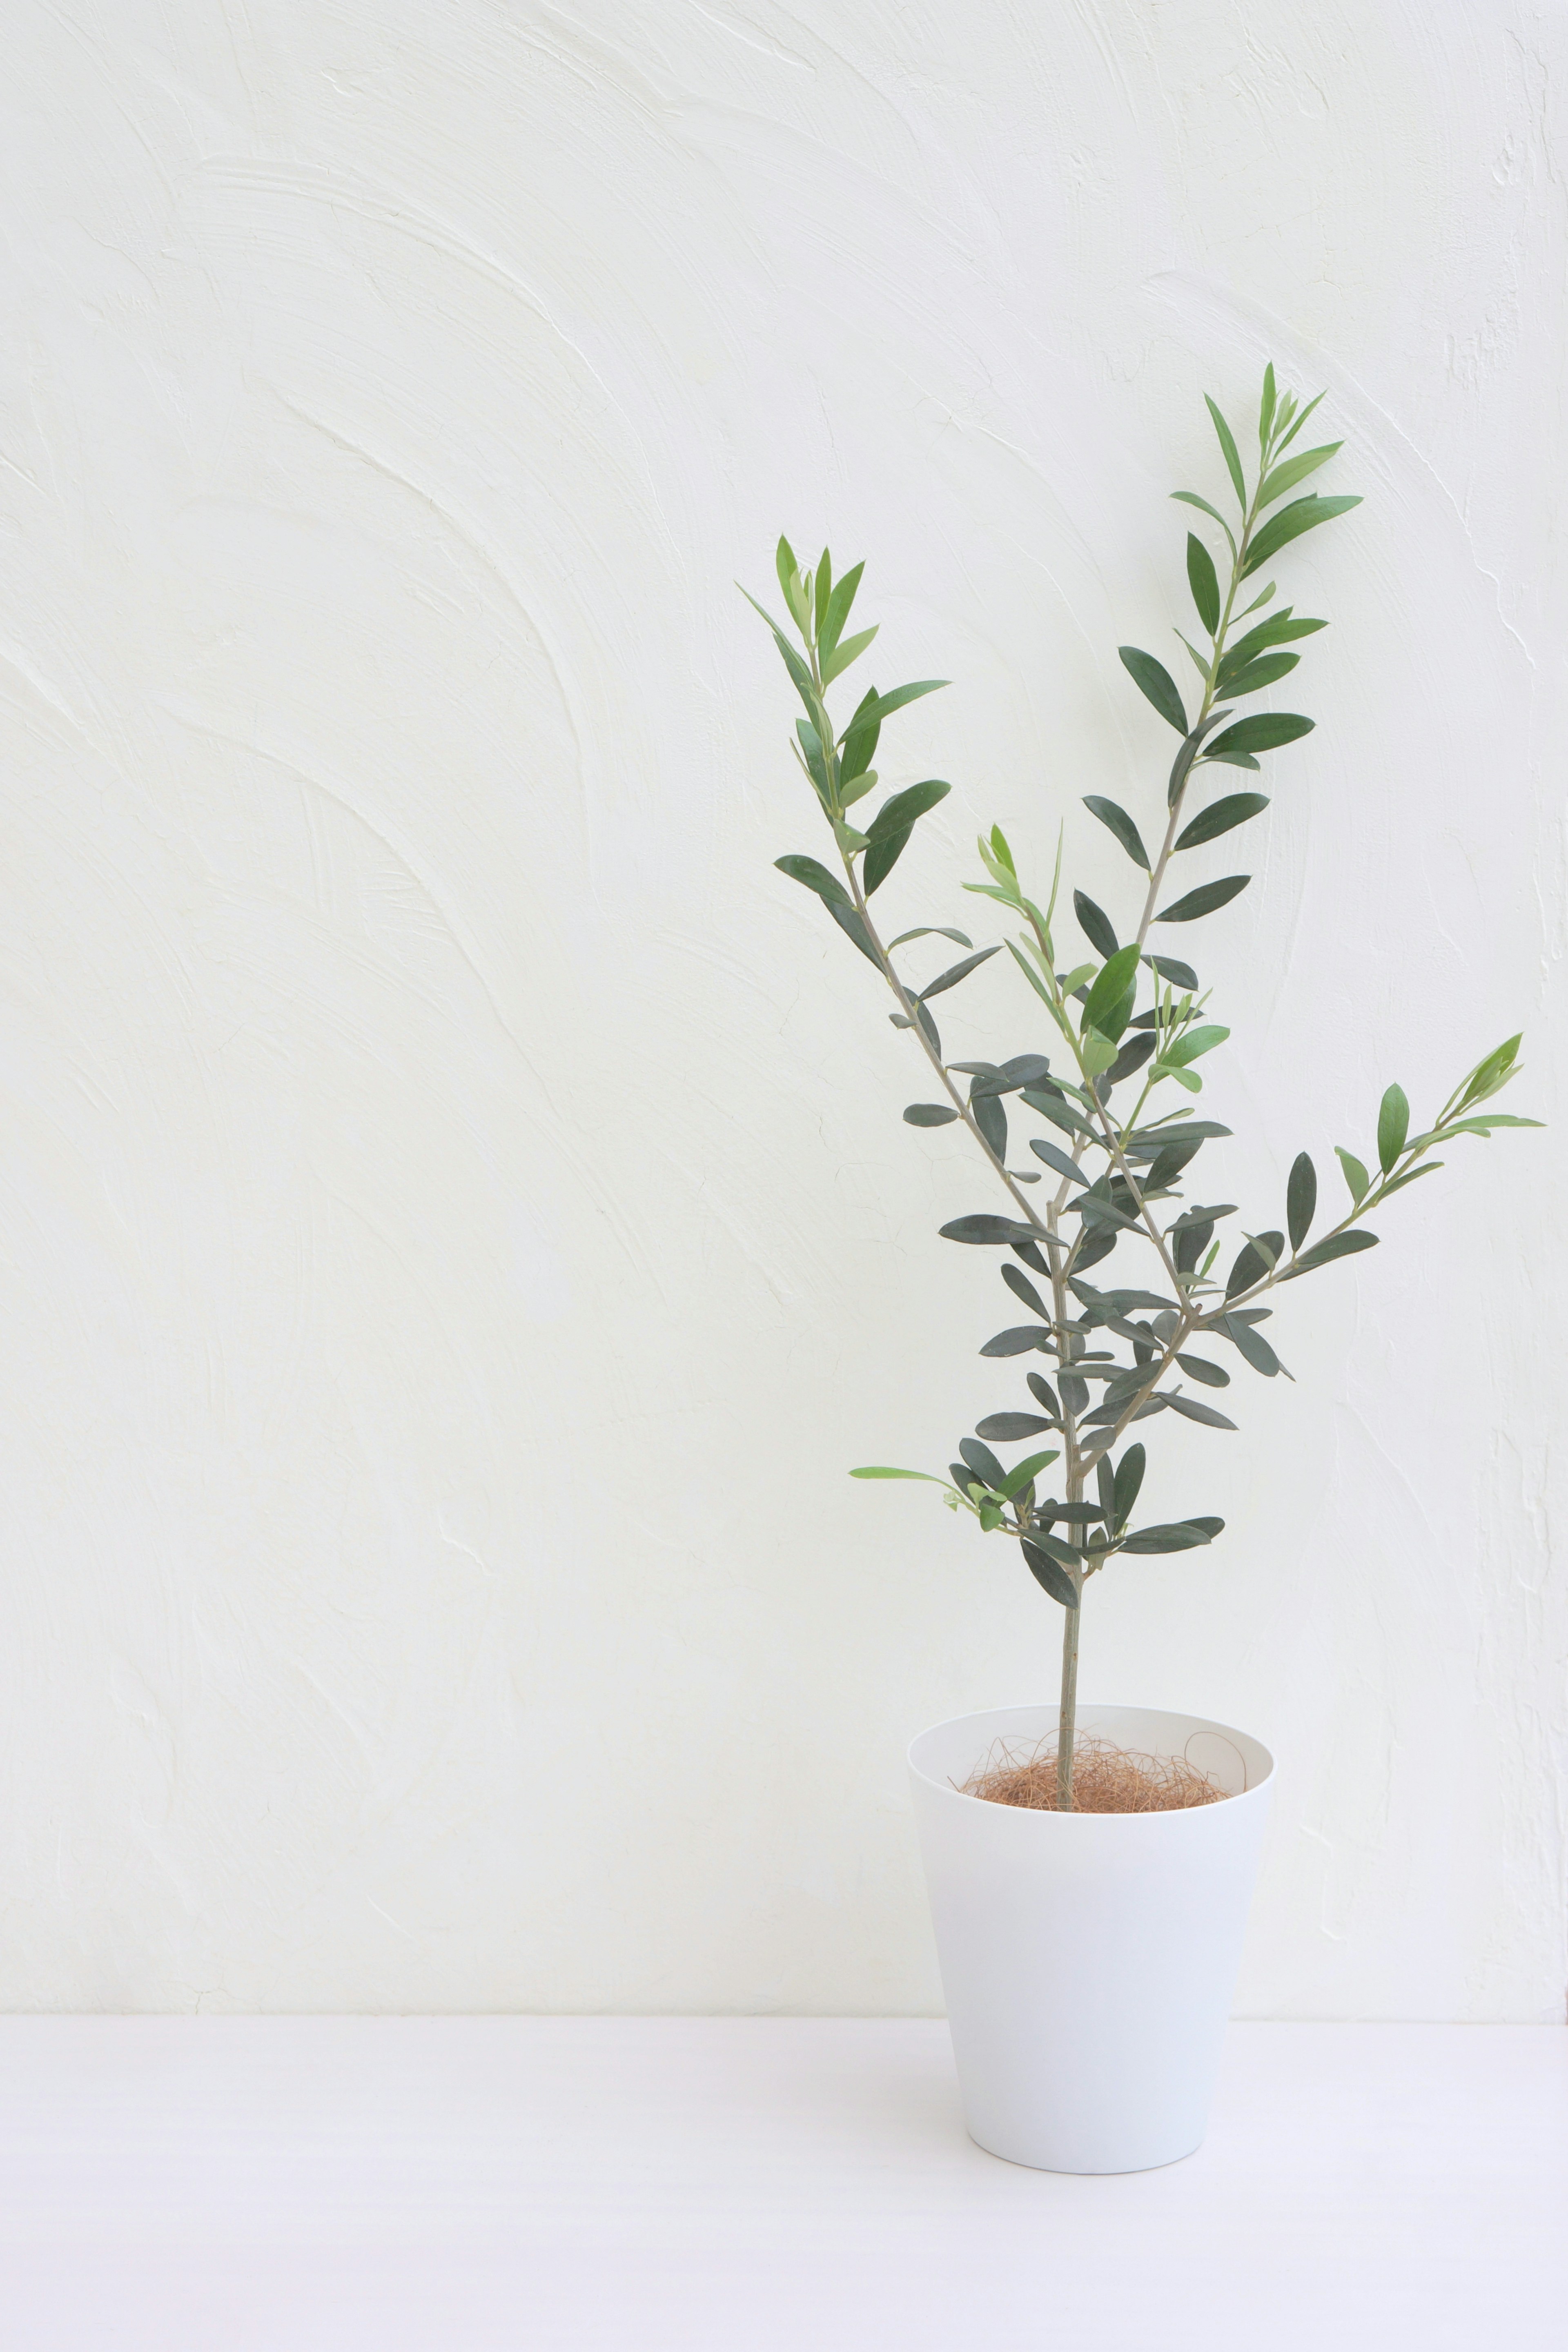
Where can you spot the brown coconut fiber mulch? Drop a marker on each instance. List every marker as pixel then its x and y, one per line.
pixel 1106 1779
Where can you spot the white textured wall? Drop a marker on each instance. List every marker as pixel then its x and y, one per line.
pixel 455 1223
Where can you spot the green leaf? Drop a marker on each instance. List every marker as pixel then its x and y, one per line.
pixel 1303 514
pixel 1058 1160
pixel 1043 1393
pixel 1008 1428
pixel 1022 1287
pixel 1265 407
pixel 1191 499
pixel 1300 1199
pixel 1281 479
pixel 815 877
pixel 785 565
pixel 830 624
pixel 1200 580
pixel 984 1231
pixel 1356 1176
pixel 1128 1479
pixel 1194 1131
pixel 1234 810
pixel 900 813
pixel 1205 899
pixel 881 860
pixel 992 1121
pixel 1254 676
pixel 1180 975
pixel 850 651
pixel 855 931
pixel 930 931
pixel 1253 1348
pixel 1278 630
pixel 1233 461
pixel 1193 1410
pixel 1023 1472
pixel 1187 1048
pixel 982 1461
pixel 1265 730
pixel 930 1115
pixel 882 705
pixel 1047 1573
pixel 957 971
pixel 1393 1127
pixel 877 1472
pixel 1253 1263
pixel 1154 681
pixel 1176 1535
pixel 1300 420
pixel 824 585
pixel 1427 1168
pixel 858 740
pixel 1336 1246
pixel 1021 1340
pixel 792 660
pixel 1095 925
pixel 1488 1119
pixel 1494 1072
pixel 1117 977
pixel 1122 826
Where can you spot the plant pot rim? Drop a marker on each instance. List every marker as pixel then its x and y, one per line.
pixel 1088 1709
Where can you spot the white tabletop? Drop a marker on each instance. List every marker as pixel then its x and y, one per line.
pixel 459 2184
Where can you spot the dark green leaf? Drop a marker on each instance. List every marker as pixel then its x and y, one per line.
pixel 883 705
pixel 900 813
pixel 1153 680
pixel 1281 479
pixel 1128 1479
pixel 1191 1131
pixel 1177 1535
pixel 1253 1263
pixel 1236 760
pixel 850 923
pixel 1008 1428
pixel 957 971
pixel 1210 1376
pixel 1266 731
pixel 1201 581
pixel 815 877
pixel 1234 810
pixel 981 1460
pixel 1043 1393
pixel 1180 975
pixel 1022 1287
pixel 1006 1077
pixel 1191 499
pixel 1257 675
pixel 882 858
pixel 930 931
pixel 1203 900
pixel 1018 1341
pixel 860 740
pixel 1233 461
pixel 1300 1199
pixel 830 627
pixel 1047 1573
pixel 1133 1057
pixel 992 1121
pixel 792 660
pixel 1095 925
pixel 1057 1160
pixel 1193 1410
pixel 1280 628
pixel 1393 1127
pixel 1061 1114
pixel 1122 826
pixel 930 1115
pixel 1336 1246
pixel 1251 1344
pixel 984 1230
pixel 1304 514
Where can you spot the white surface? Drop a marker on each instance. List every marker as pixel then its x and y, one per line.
pixel 1088 1960
pixel 417 2185
pixel 456 1225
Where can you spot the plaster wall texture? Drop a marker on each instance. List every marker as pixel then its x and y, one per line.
pixel 456 1221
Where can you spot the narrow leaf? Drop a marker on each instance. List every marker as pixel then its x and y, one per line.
pixel 898 814
pixel 884 705
pixel 1154 681
pixel 1095 924
pixel 1211 1376
pixel 1200 580
pixel 1047 1573
pixel 831 625
pixel 957 971
pixel 1193 1410
pixel 981 1460
pixel 1300 1199
pixel 986 1230
pixel 1019 1342
pixel 1115 978
pixel 1122 826
pixel 1265 730
pixel 1234 810
pixel 1232 459
pixel 1336 1246
pixel 815 877
pixel 1393 1127
pixel 1253 1263
pixel 1128 1479
pixel 930 1115
pixel 880 860
pixel 876 1471
pixel 1191 499
pixel 1356 1176
pixel 1205 899
pixel 1283 478
pixel 1177 1535
pixel 850 651
pixel 1254 676
pixel 1304 514
pixel 1008 1428
pixel 1057 1160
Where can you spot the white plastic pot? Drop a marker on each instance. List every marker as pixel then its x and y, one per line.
pixel 1088 1958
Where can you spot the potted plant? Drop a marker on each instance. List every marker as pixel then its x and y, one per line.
pixel 1088 1955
